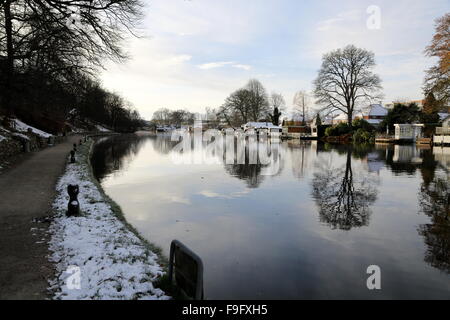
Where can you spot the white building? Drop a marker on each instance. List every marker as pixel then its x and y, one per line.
pixel 408 132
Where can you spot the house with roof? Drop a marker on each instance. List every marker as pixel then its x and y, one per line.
pixel 376 114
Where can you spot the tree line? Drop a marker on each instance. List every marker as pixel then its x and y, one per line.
pixel 251 104
pixel 50 52
pixel 346 83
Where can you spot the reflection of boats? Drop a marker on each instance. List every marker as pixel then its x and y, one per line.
pixel 442 155
pixel 165 128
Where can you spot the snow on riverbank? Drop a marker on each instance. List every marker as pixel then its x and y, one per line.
pixel 113 262
pixel 23 127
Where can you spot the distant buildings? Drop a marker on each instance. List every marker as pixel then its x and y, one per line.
pixel 375 115
pixel 261 126
pixel 419 103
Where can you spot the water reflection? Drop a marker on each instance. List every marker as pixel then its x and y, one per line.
pixel 306 225
pixel 434 199
pixel 343 194
pixel 114 154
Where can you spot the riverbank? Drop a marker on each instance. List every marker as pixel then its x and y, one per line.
pixel 107 256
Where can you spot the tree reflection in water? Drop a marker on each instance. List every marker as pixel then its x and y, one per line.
pixel 434 200
pixel 112 154
pixel 344 194
pixel 254 174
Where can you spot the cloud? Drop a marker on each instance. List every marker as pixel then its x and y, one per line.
pixel 215 65
pixel 233 195
pixel 242 66
pixel 198 52
pixel 342 17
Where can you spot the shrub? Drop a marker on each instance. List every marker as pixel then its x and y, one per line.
pixel 362 124
pixel 338 130
pixel 362 136
pixel 343 128
pixel 330 131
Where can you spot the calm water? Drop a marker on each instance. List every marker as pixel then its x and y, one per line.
pixel 308 231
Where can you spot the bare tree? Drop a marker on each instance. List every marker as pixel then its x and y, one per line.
pixel 346 81
pixel 236 109
pixel 277 101
pixel 32 30
pixel 162 116
pixel 278 105
pixel 259 103
pixel 302 104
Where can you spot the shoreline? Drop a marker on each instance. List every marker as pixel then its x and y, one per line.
pixel 99 255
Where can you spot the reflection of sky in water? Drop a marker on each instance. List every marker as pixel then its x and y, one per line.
pixel 263 236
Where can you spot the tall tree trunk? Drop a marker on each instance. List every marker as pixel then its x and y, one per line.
pixel 349 119
pixel 9 79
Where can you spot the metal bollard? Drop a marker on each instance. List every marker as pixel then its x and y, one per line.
pixel 72 156
pixel 26 147
pixel 73 208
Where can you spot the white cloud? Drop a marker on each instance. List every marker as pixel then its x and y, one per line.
pixel 214 65
pixel 342 17
pixel 242 66
pixel 202 50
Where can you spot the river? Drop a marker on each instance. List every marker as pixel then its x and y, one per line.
pixel 308 228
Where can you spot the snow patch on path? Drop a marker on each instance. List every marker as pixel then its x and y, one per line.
pixel 113 262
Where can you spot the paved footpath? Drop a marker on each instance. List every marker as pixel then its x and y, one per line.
pixel 27 191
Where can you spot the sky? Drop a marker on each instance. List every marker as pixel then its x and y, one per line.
pixel 193 53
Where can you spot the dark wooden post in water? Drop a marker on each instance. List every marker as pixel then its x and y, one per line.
pixel 73 208
pixel 75 147
pixel 72 156
pixel 186 268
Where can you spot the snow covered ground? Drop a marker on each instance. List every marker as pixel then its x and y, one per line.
pixel 102 129
pixel 96 256
pixel 23 127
